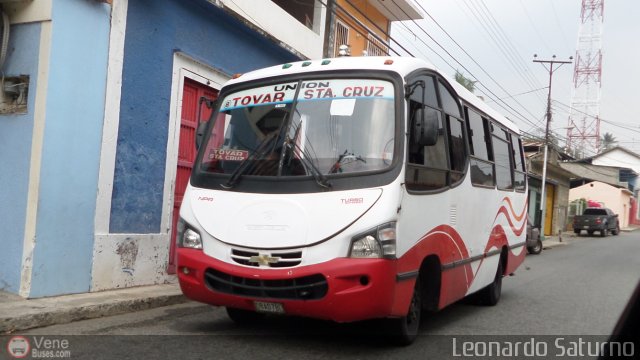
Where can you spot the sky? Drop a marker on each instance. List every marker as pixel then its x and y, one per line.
pixel 500 38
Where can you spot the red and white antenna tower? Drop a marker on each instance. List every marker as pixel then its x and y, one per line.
pixel 583 132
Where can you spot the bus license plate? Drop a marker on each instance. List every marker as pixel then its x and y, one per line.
pixel 268 307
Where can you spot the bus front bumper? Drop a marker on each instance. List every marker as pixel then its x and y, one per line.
pixel 356 289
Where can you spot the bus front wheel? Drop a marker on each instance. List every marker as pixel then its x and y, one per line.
pixel 404 330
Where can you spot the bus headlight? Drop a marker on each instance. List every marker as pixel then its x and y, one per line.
pixel 187 237
pixel 379 242
pixel 366 247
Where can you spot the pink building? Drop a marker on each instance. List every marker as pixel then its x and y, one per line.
pixel 618 199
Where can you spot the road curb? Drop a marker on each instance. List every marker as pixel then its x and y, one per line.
pixel 28 314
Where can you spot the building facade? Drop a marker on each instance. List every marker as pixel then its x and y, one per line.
pixel 557 185
pixel 49 152
pixel 626 166
pixel 96 144
pixel 97 129
pixel 363 26
pixel 618 199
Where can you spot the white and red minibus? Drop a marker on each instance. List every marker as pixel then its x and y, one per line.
pixel 350 189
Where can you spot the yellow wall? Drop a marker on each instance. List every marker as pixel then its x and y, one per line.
pixel 548 218
pixel 357 33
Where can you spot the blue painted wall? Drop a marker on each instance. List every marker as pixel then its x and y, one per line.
pixel 71 149
pixel 15 155
pixel 156 29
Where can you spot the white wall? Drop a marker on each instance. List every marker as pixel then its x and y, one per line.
pixel 618 158
pixel 271 18
pixel 124 260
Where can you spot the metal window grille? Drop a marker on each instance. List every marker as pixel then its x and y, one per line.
pixel 342 36
pixel 376 47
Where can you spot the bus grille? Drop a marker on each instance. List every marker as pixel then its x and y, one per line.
pixel 285 259
pixel 310 287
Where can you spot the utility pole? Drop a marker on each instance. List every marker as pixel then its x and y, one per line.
pixel 330 30
pixel 551 70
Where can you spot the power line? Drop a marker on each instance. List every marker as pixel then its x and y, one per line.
pixel 415 48
pixel 533 25
pixel 508 108
pixel 503 43
pixel 518 71
pixel 522 117
pixel 524 93
pixel 601 119
pixel 558 22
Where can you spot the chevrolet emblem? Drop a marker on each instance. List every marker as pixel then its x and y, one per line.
pixel 264 259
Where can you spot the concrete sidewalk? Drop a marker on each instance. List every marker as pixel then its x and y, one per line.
pixel 18 314
pixel 568 237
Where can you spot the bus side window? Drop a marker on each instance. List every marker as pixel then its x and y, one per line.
pixel 502 156
pixel 449 103
pixel 427 166
pixel 440 165
pixel 519 175
pixel 457 146
pixel 482 167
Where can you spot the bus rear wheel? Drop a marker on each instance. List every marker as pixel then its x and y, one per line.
pixel 490 295
pixel 404 330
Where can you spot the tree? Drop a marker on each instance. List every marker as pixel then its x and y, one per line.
pixel 607 141
pixel 464 81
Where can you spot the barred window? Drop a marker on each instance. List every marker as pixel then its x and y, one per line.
pixel 342 36
pixel 376 47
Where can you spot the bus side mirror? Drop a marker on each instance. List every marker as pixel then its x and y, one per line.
pixel 425 126
pixel 211 104
pixel 202 127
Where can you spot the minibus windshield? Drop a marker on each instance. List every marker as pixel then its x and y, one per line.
pixel 313 127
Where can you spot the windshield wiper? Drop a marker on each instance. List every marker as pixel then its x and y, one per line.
pixel 310 166
pixel 243 167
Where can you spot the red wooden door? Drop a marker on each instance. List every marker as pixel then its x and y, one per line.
pixel 191 108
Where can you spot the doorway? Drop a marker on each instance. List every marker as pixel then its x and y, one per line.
pixel 194 111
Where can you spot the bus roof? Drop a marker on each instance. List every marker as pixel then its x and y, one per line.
pixel 401 65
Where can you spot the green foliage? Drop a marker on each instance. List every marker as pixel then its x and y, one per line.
pixel 464 81
pixel 607 141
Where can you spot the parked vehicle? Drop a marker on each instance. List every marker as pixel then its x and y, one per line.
pixel 351 189
pixel 534 243
pixel 594 219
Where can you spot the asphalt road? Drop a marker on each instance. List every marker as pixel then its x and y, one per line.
pixel 579 289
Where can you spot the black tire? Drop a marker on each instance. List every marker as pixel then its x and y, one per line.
pixel 536 249
pixel 490 295
pixel 576 231
pixel 404 331
pixel 604 232
pixel 616 231
pixel 240 316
